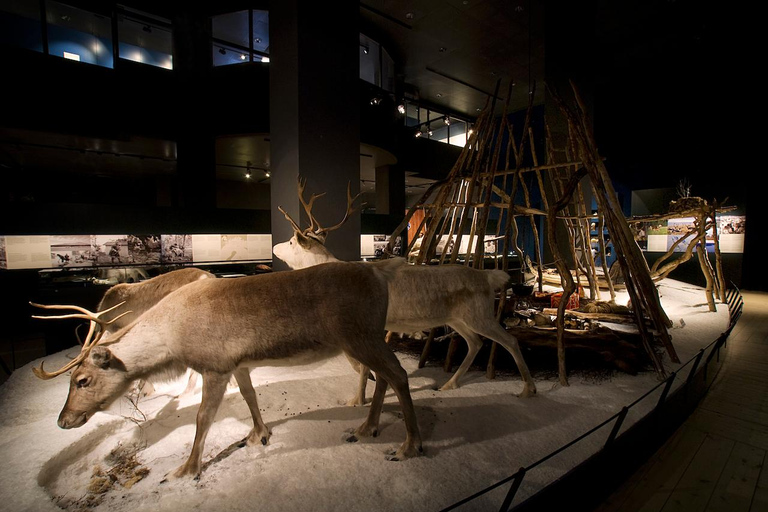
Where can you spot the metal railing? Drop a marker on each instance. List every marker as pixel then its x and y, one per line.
pixel 685 390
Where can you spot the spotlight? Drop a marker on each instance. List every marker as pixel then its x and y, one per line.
pixel 248 174
pixel 243 57
pixel 430 133
pixel 222 51
pixel 447 120
pixel 375 101
pixel 401 108
pixel 365 50
pixel 417 134
pixel 267 174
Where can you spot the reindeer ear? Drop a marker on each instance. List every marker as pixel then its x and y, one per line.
pixel 303 240
pixel 103 358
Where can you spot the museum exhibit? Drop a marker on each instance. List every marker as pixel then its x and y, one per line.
pixel 380 255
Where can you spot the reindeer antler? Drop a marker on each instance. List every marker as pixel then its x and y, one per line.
pixel 315 229
pixel 90 341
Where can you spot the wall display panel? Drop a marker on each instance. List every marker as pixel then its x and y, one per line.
pixel 373 246
pixel 660 236
pixel 3 258
pixel 79 251
pixel 23 252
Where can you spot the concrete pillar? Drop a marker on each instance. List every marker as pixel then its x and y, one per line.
pixel 195 145
pixel 315 116
pixel 390 190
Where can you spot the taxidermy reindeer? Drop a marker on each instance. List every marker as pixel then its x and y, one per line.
pixel 223 326
pixel 140 297
pixel 420 297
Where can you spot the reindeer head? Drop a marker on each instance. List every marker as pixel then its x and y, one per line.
pixel 98 379
pixel 307 246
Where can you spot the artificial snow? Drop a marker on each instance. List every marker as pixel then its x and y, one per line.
pixel 472 437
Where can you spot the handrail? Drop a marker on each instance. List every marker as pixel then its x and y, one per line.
pixel 735 304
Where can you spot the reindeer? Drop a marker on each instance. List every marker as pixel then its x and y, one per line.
pixel 140 297
pixel 223 326
pixel 420 297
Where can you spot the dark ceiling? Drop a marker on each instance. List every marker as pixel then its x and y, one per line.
pixel 451 53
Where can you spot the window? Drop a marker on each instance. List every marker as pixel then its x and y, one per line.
pixel 376 66
pixel 82 35
pixel 239 37
pixel 435 125
pixel 20 25
pixel 145 38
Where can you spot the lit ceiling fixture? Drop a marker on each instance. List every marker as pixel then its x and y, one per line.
pixel 242 56
pixel 430 133
pixel 365 50
pixel 257 40
pixel 409 15
pixel 418 134
pixel 248 174
pixel 471 131
pixel 401 108
pixel 447 120
pixel 248 170
pixel 66 18
pixel 266 173
pixel 375 101
pixel 439 95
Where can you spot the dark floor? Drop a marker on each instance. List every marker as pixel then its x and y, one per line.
pixel 714 461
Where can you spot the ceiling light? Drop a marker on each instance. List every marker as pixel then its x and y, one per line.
pixel 409 15
pixel 401 108
pixel 257 40
pixel 417 134
pixel 439 95
pixel 266 173
pixel 430 133
pixel 242 56
pixel 222 51
pixel 447 120
pixel 365 50
pixel 248 174
pixel 375 101
pixel 443 49
pixel 471 131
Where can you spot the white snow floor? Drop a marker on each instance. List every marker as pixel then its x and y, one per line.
pixel 473 436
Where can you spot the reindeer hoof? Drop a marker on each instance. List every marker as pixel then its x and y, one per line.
pixel 448 386
pixel 264 441
pixel 349 436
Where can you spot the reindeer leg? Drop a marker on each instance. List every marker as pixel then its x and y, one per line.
pixel 214 385
pixel 370 427
pixel 260 432
pixel 191 382
pixel 496 332
pixel 388 371
pixel 473 345
pixel 364 372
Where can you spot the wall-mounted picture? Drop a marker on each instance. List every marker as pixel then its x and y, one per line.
pixel 640 233
pixel 3 257
pixel 234 247
pixel 677 229
pixel 176 248
pixel 380 243
pixel 71 251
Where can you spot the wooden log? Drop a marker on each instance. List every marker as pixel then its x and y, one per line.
pixel 630 257
pixel 718 255
pixel 600 317
pixel 614 349
pixel 568 284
